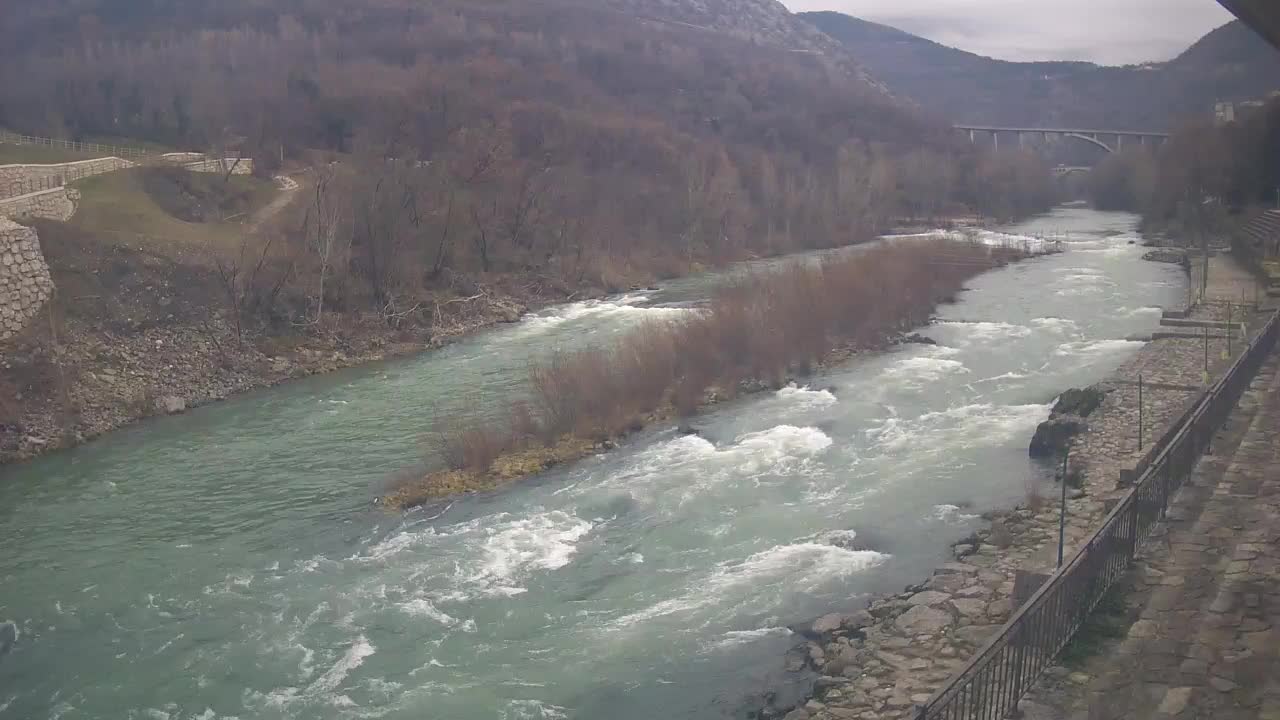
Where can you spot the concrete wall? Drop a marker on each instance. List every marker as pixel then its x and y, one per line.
pixel 25 285
pixel 24 179
pixel 56 204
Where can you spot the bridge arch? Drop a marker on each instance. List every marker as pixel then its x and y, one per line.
pixel 1090 139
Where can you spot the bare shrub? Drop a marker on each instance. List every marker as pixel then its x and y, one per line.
pixel 471 444
pixel 759 328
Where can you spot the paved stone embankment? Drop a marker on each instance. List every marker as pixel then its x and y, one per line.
pixel 56 204
pixel 25 285
pixel 881 662
pixel 1205 602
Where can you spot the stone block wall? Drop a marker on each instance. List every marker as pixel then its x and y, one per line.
pixel 56 204
pixel 244 167
pixel 25 179
pixel 25 284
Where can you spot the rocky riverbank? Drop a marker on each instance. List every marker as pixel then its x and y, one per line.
pixel 881 661
pixel 95 379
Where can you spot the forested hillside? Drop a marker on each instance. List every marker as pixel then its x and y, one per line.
pixel 1229 64
pixel 580 141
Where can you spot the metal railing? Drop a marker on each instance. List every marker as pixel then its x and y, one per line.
pixel 117 150
pixel 995 679
pixel 59 175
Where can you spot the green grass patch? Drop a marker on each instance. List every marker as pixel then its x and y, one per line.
pixel 1107 624
pixel 41 155
pixel 134 143
pixel 170 209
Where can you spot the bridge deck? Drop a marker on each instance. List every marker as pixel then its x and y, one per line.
pixel 1062 131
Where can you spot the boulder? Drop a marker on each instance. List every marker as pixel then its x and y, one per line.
pixel 1054 435
pixel 171 404
pixel 970 609
pixel 923 620
pixel 1080 402
pixel 918 339
pixel 928 597
pixel 833 623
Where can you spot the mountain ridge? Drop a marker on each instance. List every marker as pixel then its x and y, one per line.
pixel 1229 63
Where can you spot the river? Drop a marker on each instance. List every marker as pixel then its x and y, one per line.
pixel 229 563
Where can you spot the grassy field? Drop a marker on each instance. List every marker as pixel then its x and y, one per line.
pixel 170 212
pixel 40 155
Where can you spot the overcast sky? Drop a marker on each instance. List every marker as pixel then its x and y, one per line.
pixel 1111 32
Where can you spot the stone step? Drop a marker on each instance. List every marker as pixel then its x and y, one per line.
pixel 1186 335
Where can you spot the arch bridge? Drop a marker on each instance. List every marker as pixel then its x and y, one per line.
pixel 1099 138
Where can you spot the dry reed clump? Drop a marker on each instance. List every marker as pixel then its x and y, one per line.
pixel 761 328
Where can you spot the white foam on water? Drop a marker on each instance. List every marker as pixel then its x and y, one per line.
pixel 396 544
pixel 778 445
pixel 799 567
pixel 736 638
pixel 533 710
pixel 633 558
pixel 1062 325
pixel 422 607
pixel 511 549
pixel 982 237
pixel 624 308
pixel 951 514
pixel 350 660
pixel 916 371
pixel 695 465
pixel 806 397
pixel 974 425
pixel 306 666
pixel 839 538
pixel 1138 312
pixel 985 331
pixel 1091 349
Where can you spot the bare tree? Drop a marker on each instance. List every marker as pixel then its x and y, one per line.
pixel 324 229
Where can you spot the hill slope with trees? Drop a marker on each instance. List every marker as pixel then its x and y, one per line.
pixel 1230 63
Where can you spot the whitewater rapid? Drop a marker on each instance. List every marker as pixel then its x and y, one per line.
pixel 228 563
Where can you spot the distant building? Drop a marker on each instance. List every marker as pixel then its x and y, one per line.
pixel 1223 113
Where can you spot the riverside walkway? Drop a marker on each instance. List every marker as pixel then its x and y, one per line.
pixel 1205 595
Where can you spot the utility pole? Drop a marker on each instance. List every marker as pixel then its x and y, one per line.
pixel 1139 413
pixel 1062 509
pixel 1204 245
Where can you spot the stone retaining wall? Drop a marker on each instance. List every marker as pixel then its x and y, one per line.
pixel 56 204
pixel 25 179
pixel 25 284
pixel 243 167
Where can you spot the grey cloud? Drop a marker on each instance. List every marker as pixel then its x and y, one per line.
pixel 1109 32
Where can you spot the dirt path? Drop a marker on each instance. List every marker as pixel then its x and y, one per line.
pixel 288 191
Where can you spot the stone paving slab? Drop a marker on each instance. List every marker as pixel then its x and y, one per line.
pixel 880 663
pixel 1206 640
